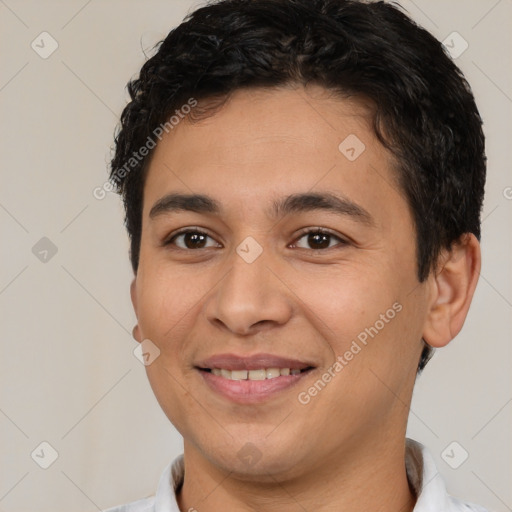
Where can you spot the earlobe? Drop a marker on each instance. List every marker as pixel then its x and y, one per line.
pixel 136 333
pixel 453 286
pixel 133 294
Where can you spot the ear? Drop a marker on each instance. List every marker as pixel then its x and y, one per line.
pixel 133 294
pixel 452 284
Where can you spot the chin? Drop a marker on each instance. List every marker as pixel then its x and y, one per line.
pixel 257 461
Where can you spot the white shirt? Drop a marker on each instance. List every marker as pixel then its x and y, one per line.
pixel 421 473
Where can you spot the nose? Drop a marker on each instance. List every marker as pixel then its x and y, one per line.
pixel 250 298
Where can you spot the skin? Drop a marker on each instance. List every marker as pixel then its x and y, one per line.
pixel 344 450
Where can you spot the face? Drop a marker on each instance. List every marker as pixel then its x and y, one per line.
pixel 278 279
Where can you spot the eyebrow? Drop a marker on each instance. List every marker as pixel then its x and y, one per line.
pixel 295 203
pixel 300 203
pixel 184 202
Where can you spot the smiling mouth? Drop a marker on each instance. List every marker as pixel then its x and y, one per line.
pixel 254 375
pixel 252 379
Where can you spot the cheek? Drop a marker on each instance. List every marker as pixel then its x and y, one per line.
pixel 345 301
pixel 368 316
pixel 167 311
pixel 373 322
pixel 166 296
pixel 167 306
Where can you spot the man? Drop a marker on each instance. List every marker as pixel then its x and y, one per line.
pixel 303 182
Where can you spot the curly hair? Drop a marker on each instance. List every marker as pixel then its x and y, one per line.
pixel 423 110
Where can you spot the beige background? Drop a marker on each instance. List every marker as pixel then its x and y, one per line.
pixel 67 372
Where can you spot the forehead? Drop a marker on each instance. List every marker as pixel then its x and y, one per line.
pixel 266 143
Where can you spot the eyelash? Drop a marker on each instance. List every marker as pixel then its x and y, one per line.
pixel 308 231
pixel 321 231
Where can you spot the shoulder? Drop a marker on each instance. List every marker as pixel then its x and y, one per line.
pixel 142 505
pixel 165 498
pixel 428 484
pixel 462 506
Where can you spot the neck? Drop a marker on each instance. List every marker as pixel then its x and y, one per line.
pixel 370 476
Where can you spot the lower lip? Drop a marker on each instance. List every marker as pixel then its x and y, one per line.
pixel 251 391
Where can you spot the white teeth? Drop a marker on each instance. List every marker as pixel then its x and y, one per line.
pixel 239 374
pixel 264 373
pixel 257 375
pixel 273 372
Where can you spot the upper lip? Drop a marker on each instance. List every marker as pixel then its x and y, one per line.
pixel 252 362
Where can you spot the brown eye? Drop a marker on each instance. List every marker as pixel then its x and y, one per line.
pixel 193 240
pixel 317 240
